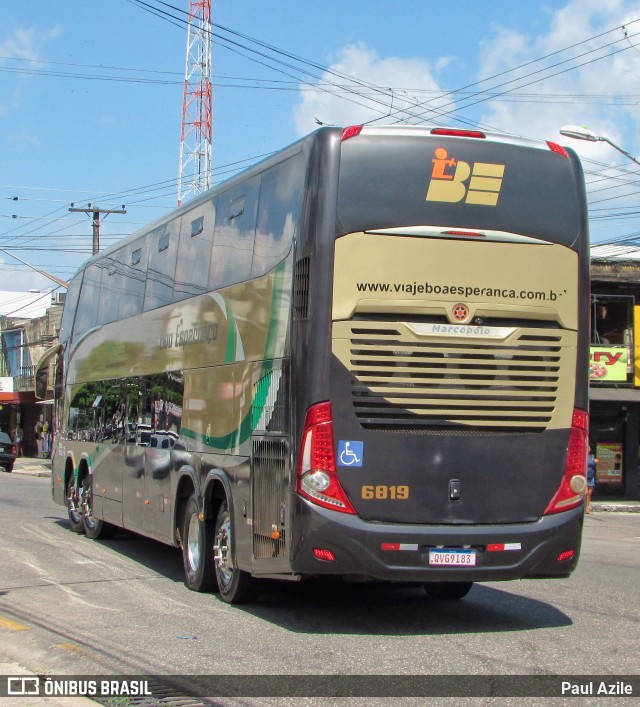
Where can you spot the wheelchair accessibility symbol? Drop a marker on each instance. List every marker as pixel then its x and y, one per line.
pixel 350 453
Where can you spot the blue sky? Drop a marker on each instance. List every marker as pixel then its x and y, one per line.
pixel 91 98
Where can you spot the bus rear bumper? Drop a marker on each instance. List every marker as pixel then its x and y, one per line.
pixel 392 552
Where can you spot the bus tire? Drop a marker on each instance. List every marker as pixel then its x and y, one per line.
pixel 93 527
pixel 235 585
pixel 74 510
pixel 447 591
pixel 197 549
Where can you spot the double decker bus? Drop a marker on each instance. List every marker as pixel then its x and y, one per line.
pixel 366 356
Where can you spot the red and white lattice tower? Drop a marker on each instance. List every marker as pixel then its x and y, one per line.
pixel 197 105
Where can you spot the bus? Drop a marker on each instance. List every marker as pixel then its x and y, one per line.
pixel 366 357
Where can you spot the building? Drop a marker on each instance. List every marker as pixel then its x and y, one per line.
pixel 23 340
pixel 614 387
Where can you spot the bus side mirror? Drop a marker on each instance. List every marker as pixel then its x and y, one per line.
pixel 42 379
pixel 42 371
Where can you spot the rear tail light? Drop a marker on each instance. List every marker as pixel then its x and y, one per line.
pixel 351 131
pixel 14 450
pixel 317 478
pixel 453 132
pixel 558 149
pixel 322 554
pixel 574 481
pixel 464 234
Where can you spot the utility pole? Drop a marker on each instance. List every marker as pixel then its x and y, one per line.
pixel 96 211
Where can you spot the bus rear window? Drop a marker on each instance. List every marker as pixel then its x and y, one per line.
pixel 394 181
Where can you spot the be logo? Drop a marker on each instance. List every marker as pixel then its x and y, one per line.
pixel 449 180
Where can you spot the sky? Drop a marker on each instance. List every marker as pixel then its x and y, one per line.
pixel 91 96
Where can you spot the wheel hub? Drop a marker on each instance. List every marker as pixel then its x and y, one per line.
pixel 221 554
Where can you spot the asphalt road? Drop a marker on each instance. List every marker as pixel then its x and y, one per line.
pixel 71 605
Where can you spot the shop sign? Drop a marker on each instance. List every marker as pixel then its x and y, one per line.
pixel 608 363
pixel 6 384
pixel 609 468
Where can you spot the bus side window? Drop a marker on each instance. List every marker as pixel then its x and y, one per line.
pixel 70 306
pixel 278 213
pixel 163 250
pixel 160 406
pixel 134 273
pixel 234 234
pixel 194 251
pixel 86 412
pixel 86 316
pixel 110 288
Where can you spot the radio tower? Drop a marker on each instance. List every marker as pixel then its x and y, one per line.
pixel 197 105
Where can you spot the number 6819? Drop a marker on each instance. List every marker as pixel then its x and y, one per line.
pixel 384 493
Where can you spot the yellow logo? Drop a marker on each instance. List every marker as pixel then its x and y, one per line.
pixel 449 176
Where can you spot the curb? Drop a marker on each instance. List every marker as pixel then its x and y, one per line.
pixel 32 467
pixel 32 472
pixel 607 507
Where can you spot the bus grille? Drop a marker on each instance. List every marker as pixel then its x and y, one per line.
pixel 270 475
pixel 400 382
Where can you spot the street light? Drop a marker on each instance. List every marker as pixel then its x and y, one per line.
pixel 579 133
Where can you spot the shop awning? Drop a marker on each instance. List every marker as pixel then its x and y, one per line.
pixel 18 398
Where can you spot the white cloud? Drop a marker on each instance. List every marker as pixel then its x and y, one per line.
pixel 27 43
pixel 407 77
pixel 576 70
pixel 588 95
pixel 500 55
pixel 600 71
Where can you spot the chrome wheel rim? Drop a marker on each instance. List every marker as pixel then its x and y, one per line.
pixel 222 552
pixel 72 502
pixel 193 543
pixel 88 504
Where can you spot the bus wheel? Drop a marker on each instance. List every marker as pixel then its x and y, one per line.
pixel 197 553
pixel 447 591
pixel 235 585
pixel 73 506
pixel 93 528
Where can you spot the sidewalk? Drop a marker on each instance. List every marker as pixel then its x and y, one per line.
pixel 32 466
pixel 613 506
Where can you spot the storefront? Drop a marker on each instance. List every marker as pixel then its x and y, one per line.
pixel 614 439
pixel 614 390
pixel 19 408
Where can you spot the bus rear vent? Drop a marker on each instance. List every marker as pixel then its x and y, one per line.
pixel 400 383
pixel 301 288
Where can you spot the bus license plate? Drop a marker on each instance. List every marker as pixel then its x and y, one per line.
pixel 452 558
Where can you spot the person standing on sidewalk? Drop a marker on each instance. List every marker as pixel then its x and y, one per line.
pixel 18 436
pixel 46 440
pixel 591 479
pixel 38 432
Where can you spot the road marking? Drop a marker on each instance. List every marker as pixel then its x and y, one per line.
pixel 12 625
pixel 73 648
